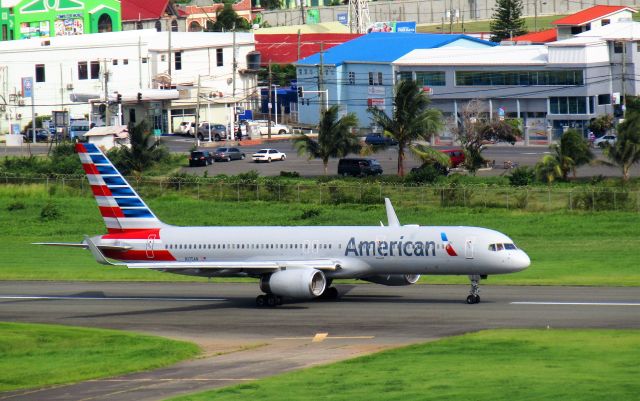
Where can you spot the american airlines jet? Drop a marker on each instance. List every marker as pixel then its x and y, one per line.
pixel 290 262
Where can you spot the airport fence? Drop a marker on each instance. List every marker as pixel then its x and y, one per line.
pixel 586 198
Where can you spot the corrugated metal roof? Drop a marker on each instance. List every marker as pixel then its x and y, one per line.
pixel 283 48
pixel 590 14
pixel 380 47
pixel 499 55
pixel 323 27
pixel 133 10
pixel 548 35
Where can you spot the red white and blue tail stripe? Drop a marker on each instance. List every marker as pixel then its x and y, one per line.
pixel 121 207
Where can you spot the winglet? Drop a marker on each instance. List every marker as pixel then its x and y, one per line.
pixel 391 214
pixel 97 254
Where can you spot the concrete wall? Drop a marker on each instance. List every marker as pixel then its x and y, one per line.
pixel 433 11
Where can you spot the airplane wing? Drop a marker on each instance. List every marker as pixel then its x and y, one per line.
pixel 255 265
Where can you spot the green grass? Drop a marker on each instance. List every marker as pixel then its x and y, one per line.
pixel 544 22
pixel 566 248
pixel 38 355
pixel 493 365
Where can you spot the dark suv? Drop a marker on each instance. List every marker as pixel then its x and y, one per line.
pixel 228 154
pixel 200 158
pixel 379 140
pixel 359 167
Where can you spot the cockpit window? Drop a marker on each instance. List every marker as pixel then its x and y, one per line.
pixel 510 247
pixel 492 247
pixel 500 247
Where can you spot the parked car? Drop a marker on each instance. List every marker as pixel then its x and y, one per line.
pixel 218 131
pixel 263 127
pixel 42 135
pixel 200 158
pixel 605 139
pixel 187 128
pixel 456 156
pixel 359 167
pixel 228 154
pixel 377 139
pixel 268 155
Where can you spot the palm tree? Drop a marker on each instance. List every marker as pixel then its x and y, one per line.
pixel 625 152
pixel 335 138
pixel 573 152
pixel 143 153
pixel 548 169
pixel 411 119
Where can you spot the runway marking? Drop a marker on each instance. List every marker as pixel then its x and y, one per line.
pixel 580 303
pixel 66 297
pixel 319 337
pixel 325 336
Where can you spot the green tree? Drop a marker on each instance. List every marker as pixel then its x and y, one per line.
pixel 411 120
pixel 626 150
pixel 601 124
pixel 572 152
pixel 143 153
pixel 507 20
pixel 548 169
pixel 227 20
pixel 335 137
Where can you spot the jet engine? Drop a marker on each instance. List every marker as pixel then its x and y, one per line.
pixel 295 283
pixel 394 280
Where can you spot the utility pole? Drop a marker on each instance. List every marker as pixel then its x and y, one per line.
pixel 107 117
pixel 299 44
pixel 197 127
pixel 269 102
pixel 302 11
pixel 169 51
pixel 235 68
pixel 321 79
pixel 624 76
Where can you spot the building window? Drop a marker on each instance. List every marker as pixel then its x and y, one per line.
pixel 219 58
pixel 125 61
pixel 352 78
pixel 617 47
pixel 95 70
pixel 370 78
pixel 430 78
pixel 5 32
pixel 405 76
pixel 115 61
pixel 139 25
pixel 576 30
pixel 177 60
pixel 40 77
pixel 174 26
pixel 520 78
pixel 379 78
pixel 145 60
pixel 83 72
pixel 604 99
pixel 105 24
pixel 605 22
pixel 568 105
pixel 158 26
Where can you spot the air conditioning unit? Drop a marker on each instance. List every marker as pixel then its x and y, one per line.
pixel 69 87
pixel 21 102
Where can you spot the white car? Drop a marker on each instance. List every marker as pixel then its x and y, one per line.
pixel 268 155
pixel 276 129
pixel 605 139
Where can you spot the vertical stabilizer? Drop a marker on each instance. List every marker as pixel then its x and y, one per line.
pixel 121 207
pixel 391 214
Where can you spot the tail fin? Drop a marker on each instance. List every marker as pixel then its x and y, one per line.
pixel 121 207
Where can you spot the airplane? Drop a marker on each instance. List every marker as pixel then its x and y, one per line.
pixel 290 262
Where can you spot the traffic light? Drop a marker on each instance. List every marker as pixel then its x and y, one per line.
pixel 300 91
pixel 139 97
pixel 119 98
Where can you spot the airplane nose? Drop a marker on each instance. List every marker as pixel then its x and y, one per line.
pixel 519 261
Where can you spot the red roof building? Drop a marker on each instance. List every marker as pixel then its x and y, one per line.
pixel 591 17
pixel 283 48
pixel 151 14
pixel 537 38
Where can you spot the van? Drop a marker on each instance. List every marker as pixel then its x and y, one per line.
pixel 359 167
pixel 77 129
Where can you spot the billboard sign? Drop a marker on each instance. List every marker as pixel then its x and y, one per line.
pixel 393 26
pixel 343 18
pixel 27 87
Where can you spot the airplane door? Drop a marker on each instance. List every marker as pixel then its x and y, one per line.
pixel 149 248
pixel 468 248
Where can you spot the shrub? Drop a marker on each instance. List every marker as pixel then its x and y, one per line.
pixel 49 212
pixel 424 175
pixel 601 199
pixel 290 174
pixel 17 205
pixel 522 176
pixel 310 213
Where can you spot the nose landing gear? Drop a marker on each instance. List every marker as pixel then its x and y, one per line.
pixel 474 297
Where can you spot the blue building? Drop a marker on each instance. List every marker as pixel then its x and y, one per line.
pixel 359 73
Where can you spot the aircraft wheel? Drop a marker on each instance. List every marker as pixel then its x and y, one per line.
pixel 272 300
pixel 477 299
pixel 471 300
pixel 261 300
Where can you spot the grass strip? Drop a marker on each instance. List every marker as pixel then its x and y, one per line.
pixel 493 365
pixel 38 355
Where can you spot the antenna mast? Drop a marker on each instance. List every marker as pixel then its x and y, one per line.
pixel 359 19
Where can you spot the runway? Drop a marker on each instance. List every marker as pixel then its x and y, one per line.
pixel 242 342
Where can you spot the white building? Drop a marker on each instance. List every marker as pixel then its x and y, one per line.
pixel 134 62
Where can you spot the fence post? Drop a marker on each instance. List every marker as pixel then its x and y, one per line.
pixel 238 190
pixel 570 200
pixel 198 190
pixel 298 192
pixel 615 205
pixel 320 197
pixel 593 200
pixel 257 191
pixel 507 200
pixel 279 197
pixel 380 193
pixel 549 197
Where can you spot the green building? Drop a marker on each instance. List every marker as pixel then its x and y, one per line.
pixel 23 19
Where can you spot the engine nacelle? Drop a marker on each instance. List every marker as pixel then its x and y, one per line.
pixel 295 283
pixel 393 279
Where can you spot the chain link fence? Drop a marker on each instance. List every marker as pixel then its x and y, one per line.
pixel 586 198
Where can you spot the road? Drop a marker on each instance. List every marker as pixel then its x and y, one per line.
pixel 499 153
pixel 222 319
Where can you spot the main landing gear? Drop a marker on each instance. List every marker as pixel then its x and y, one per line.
pixel 270 300
pixel 474 297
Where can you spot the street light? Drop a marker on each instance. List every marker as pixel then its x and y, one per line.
pixel 275 91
